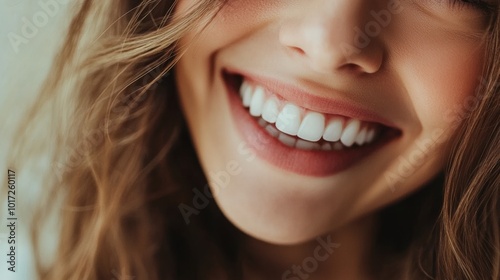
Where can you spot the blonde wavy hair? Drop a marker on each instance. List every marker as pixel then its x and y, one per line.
pixel 125 162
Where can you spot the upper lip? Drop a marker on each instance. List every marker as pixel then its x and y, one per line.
pixel 314 98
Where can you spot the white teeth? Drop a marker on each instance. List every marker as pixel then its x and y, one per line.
pixel 361 138
pixel 350 132
pixel 287 139
pixel 287 123
pixel 312 127
pixel 270 111
pixel 306 145
pixel 333 130
pixel 289 119
pixel 247 92
pixel 257 102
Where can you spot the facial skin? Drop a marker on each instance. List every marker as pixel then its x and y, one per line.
pixel 424 63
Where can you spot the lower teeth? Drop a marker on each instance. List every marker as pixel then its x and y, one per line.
pixel 298 143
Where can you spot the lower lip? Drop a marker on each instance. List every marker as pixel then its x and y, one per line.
pixel 306 162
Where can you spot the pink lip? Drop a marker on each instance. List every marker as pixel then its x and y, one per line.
pixel 315 102
pixel 306 162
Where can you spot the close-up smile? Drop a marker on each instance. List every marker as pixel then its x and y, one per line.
pixel 251 139
pixel 292 135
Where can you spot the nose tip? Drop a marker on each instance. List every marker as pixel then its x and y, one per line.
pixel 331 41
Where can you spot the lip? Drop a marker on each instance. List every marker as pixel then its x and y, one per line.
pixel 315 102
pixel 314 163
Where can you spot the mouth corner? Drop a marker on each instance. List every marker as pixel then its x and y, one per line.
pixel 232 79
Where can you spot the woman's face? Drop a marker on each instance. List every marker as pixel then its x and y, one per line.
pixel 347 106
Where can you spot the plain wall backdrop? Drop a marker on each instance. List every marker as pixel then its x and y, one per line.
pixel 31 32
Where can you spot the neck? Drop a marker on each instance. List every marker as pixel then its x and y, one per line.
pixel 342 254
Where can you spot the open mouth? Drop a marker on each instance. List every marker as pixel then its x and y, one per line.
pixel 304 140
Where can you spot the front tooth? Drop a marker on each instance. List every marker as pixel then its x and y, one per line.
pixel 333 130
pixel 270 111
pixel 312 127
pixel 257 102
pixel 289 119
pixel 247 96
pixel 350 132
pixel 361 138
pixel 287 139
pixel 306 145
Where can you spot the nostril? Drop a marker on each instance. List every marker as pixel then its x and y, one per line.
pixel 352 67
pixel 298 50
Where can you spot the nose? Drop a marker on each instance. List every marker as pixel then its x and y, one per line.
pixel 329 35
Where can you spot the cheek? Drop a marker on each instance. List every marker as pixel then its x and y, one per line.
pixel 454 83
pixel 440 80
pixel 236 20
pixel 439 66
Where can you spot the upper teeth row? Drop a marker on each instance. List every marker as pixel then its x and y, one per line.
pixel 308 125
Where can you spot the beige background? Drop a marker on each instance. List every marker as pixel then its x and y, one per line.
pixel 22 71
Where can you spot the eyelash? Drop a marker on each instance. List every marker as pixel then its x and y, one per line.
pixel 477 4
